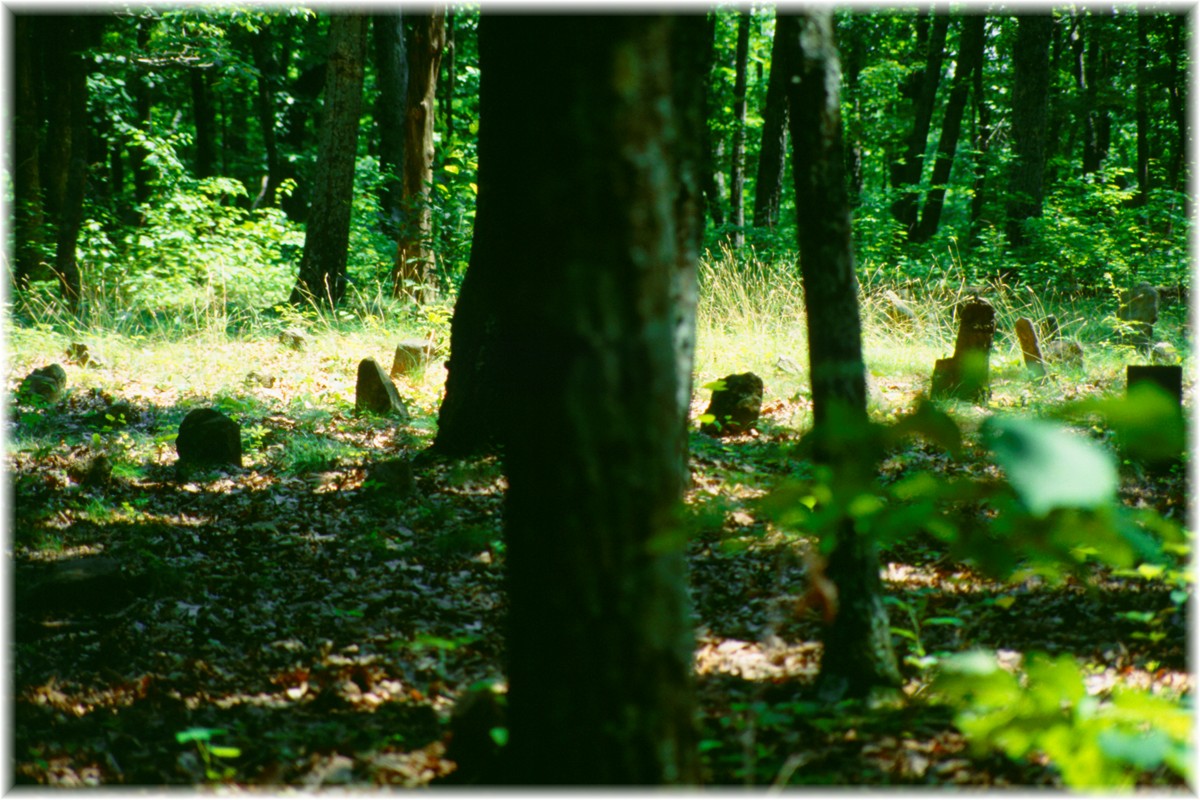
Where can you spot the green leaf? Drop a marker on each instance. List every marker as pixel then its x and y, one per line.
pixel 198 735
pixel 225 752
pixel 499 736
pixel 1049 467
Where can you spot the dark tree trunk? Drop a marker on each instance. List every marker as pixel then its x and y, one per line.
pixel 970 57
pixel 853 57
pixel 599 640
pixel 450 77
pixel 206 123
pixel 768 188
pixel 77 35
pixel 142 102
pixel 262 47
pixel 858 652
pixel 1097 123
pixel 1142 114
pixel 391 78
pixel 323 265
pixel 414 254
pixel 56 148
pixel 712 181
pixel 1177 97
pixel 28 217
pixel 981 145
pixel 737 171
pixel 1030 108
pixel 906 173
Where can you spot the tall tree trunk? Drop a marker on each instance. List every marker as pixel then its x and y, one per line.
pixel 981 144
pixel 205 121
pixel 970 58
pixel 858 653
pixel 262 46
pixel 906 173
pixel 77 35
pixel 772 155
pixel 737 171
pixel 712 179
pixel 1095 146
pixel 322 275
pixel 391 78
pixel 28 216
pixel 1142 114
pixel 448 82
pixel 1177 98
pixel 1030 107
pixel 599 640
pixel 414 254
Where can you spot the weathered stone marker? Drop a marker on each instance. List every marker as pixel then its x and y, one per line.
pixel 375 391
pixel 1140 310
pixel 47 383
pixel 206 436
pixel 1169 379
pixel 736 406
pixel 1029 348
pixel 1056 350
pixel 965 375
pixel 411 354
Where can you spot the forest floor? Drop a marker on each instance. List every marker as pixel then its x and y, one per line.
pixel 287 624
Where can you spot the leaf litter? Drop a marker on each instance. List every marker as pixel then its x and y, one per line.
pixel 321 635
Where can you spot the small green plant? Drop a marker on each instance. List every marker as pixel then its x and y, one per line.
pixel 1047 709
pixel 211 754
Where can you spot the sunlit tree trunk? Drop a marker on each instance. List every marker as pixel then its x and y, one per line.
pixel 322 275
pixel 712 181
pixel 414 254
pixel 906 172
pixel 858 653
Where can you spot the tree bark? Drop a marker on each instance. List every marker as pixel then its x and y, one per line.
pixel 858 653
pixel 1030 109
pixel 737 171
pixel 322 275
pixel 772 155
pixel 906 173
pixel 414 254
pixel 981 144
pixel 599 640
pixel 1142 114
pixel 1096 131
pixel 264 62
pixel 77 35
pixel 28 216
pixel 391 77
pixel 970 57
pixel 711 177
pixel 205 121
pixel 1177 99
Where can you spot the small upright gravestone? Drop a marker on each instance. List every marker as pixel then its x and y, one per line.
pixel 375 391
pixel 410 354
pixel 1027 336
pixel 965 374
pixel 47 383
pixel 1140 311
pixel 206 436
pixel 735 406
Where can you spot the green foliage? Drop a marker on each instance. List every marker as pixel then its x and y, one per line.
pixel 1046 708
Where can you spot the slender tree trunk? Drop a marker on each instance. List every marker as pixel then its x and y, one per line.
pixel 970 57
pixel 28 217
pixel 858 653
pixel 981 144
pixel 391 78
pixel 1030 108
pixel 70 217
pixel 414 254
pixel 450 59
pixel 711 176
pixel 205 122
pixel 323 264
pixel 1095 73
pixel 906 173
pixel 1142 114
pixel 262 45
pixel 1177 98
pixel 599 638
pixel 768 188
pixel 737 172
